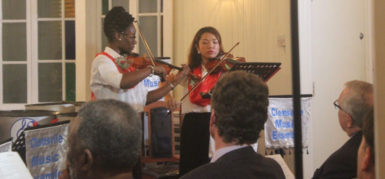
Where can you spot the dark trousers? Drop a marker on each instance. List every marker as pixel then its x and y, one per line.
pixel 194 144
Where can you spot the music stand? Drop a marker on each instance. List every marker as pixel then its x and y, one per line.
pixel 262 69
pixel 19 146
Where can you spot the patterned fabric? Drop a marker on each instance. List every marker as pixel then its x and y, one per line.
pixel 205 87
pixel 106 75
pixel 120 62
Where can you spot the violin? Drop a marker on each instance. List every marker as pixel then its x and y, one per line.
pixel 212 66
pixel 224 65
pixel 143 62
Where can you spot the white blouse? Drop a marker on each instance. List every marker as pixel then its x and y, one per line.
pixel 105 82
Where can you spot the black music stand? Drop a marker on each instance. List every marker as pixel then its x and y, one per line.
pixel 19 146
pixel 263 70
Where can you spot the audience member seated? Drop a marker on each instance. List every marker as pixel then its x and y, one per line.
pixel 103 141
pixel 239 112
pixel 365 157
pixel 354 102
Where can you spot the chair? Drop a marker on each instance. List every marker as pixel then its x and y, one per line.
pixel 161 133
pixel 161 143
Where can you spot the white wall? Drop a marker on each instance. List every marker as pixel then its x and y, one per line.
pixel 256 24
pixel 336 55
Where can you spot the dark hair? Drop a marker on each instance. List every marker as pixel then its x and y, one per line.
pixel 368 131
pixel 240 101
pixel 111 130
pixel 194 59
pixel 116 20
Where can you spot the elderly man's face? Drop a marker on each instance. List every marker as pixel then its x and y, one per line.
pixel 342 115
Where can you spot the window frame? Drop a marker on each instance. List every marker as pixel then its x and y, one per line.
pixel 164 47
pixel 32 62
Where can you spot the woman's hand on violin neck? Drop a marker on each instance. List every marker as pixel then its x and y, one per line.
pixel 160 71
pixel 186 70
pixel 171 103
pixel 181 75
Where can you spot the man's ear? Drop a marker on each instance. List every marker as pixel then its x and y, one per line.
pixel 349 120
pixel 86 160
pixel 212 118
pixel 212 125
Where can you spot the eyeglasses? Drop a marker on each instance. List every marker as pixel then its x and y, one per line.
pixel 128 36
pixel 337 106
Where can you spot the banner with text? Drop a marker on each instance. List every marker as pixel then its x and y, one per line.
pixel 279 127
pixel 46 150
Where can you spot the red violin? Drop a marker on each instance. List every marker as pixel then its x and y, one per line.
pixel 217 65
pixel 143 62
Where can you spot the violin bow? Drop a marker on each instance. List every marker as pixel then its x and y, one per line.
pixel 204 77
pixel 149 52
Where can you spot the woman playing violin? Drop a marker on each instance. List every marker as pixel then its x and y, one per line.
pixel 113 77
pixel 206 46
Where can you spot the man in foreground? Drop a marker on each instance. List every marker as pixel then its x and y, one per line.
pixel 239 112
pixel 103 141
pixel 365 157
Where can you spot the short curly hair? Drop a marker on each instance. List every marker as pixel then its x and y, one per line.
pixel 240 101
pixel 116 20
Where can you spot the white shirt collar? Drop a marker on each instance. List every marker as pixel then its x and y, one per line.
pixel 222 151
pixel 112 52
pixel 204 70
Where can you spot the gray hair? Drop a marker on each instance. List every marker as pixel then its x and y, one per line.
pixel 111 130
pixel 359 100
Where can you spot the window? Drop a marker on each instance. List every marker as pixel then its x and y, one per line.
pixel 37 54
pixel 152 21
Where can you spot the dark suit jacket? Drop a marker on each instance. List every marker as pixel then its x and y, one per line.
pixel 240 163
pixel 342 163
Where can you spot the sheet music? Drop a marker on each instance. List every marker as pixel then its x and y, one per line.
pixel 11 166
pixel 282 163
